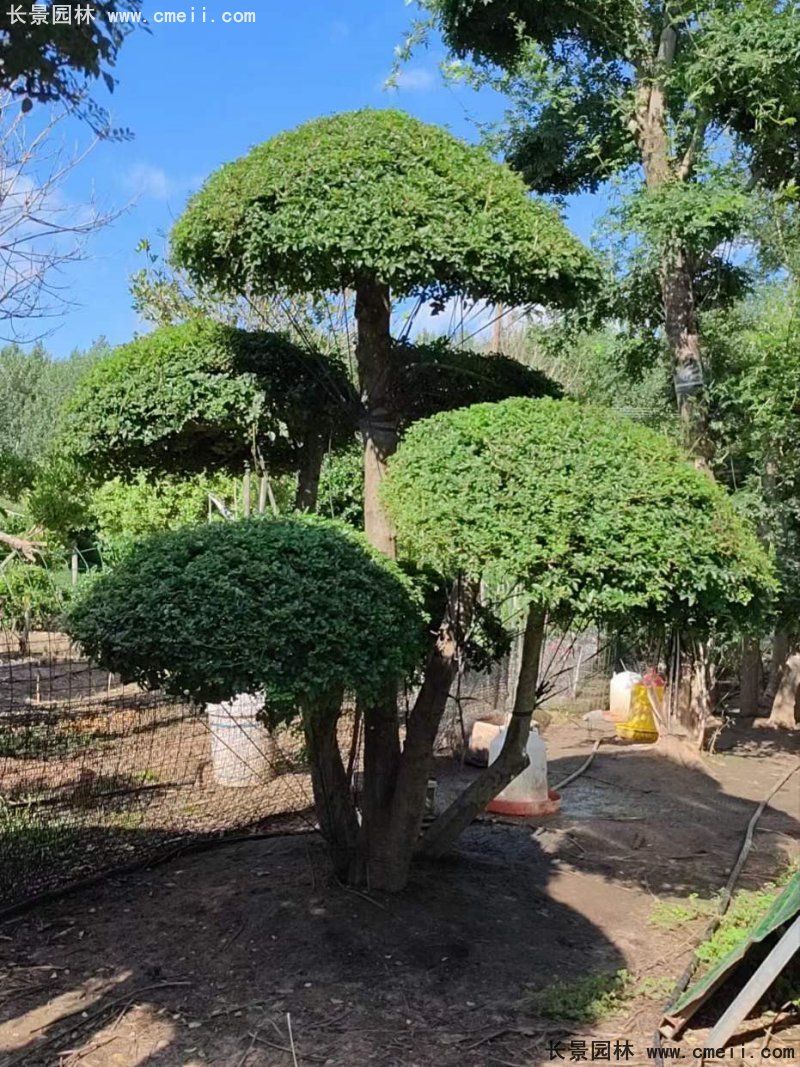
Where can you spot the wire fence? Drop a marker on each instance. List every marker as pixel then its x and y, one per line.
pixel 96 775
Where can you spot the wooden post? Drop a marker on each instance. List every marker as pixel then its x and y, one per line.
pixel 74 566
pixel 497 330
pixel 246 491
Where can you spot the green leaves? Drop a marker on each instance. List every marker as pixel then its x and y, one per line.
pixel 199 396
pixel 588 513
pixel 294 608
pixel 378 195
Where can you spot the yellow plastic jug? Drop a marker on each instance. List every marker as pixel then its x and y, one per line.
pixel 641 724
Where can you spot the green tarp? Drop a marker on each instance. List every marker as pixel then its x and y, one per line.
pixel 784 908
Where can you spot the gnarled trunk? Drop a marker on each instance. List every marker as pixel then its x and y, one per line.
pixel 750 677
pixel 512 758
pixel 786 706
pixel 389 843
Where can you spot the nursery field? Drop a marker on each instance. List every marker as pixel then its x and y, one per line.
pixel 573 929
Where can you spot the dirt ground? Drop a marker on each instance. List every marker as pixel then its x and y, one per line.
pixel 251 956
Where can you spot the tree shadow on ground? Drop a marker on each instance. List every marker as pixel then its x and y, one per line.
pixel 260 930
pixel 200 961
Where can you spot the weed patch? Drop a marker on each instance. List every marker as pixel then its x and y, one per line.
pixel 671 916
pixel 595 997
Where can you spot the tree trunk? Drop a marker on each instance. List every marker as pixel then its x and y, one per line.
pixel 750 678
pixel 683 339
pixel 677 284
pixel 693 704
pixel 333 800
pixel 786 706
pixel 780 653
pixel 308 475
pixel 390 843
pixel 379 423
pixel 513 756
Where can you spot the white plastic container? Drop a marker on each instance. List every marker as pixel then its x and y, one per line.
pixel 240 745
pixel 527 794
pixel 619 702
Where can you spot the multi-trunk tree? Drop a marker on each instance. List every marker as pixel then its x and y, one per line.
pixel 381 206
pixel 384 207
pixel 588 515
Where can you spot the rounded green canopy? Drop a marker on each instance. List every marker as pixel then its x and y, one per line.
pixel 379 196
pixel 293 608
pixel 588 513
pixel 198 396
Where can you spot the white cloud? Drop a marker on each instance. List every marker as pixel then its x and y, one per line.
pixel 145 180
pixel 415 79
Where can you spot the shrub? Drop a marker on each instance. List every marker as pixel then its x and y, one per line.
pixel 29 597
pixel 589 513
pixel 295 608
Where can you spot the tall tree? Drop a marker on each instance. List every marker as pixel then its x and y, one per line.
pixel 756 409
pixel 601 87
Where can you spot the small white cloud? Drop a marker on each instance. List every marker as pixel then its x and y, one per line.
pixel 143 179
pixel 414 79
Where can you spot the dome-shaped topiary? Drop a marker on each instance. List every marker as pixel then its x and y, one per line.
pixel 199 395
pixel 298 609
pixel 591 514
pixel 378 195
pixel 429 377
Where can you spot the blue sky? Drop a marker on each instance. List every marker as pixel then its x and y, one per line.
pixel 196 96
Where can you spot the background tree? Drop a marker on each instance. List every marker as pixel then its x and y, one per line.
pixel 598 88
pixel 318 614
pixel 51 62
pixel 590 518
pixel 41 230
pixel 754 401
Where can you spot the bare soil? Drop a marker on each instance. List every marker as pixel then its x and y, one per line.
pixel 210 958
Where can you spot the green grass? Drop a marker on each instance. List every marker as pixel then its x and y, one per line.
pixel 747 908
pixel 41 741
pixel 671 916
pixel 25 834
pixel 595 997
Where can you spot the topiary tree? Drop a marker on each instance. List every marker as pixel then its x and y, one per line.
pixel 589 516
pixel 429 377
pixel 204 397
pixel 301 610
pixel 382 205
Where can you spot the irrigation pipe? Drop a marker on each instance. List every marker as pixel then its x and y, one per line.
pixel 725 898
pixel 583 767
